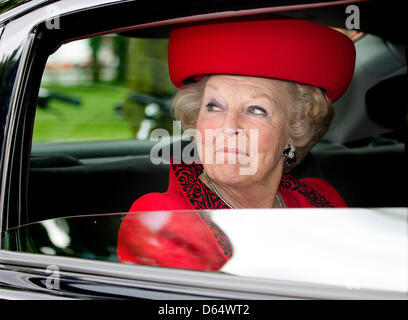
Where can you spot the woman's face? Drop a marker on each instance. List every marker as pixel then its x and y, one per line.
pixel 243 128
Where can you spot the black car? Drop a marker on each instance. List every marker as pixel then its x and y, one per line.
pixel 62 199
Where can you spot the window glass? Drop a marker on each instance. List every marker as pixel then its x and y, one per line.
pixel 118 88
pixel 99 88
pixel 353 248
pixel 65 237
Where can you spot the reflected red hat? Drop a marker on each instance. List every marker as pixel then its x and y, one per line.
pixel 278 47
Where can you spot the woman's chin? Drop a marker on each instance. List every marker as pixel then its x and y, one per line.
pixel 228 174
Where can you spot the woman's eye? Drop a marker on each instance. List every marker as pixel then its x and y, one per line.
pixel 257 110
pixel 213 107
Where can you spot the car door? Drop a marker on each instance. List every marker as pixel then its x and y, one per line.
pixel 38 194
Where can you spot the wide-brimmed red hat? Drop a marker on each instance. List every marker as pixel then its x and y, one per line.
pixel 274 47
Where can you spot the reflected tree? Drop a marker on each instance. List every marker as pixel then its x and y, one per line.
pixel 95 43
pixel 147 72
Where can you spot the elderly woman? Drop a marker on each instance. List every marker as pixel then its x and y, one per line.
pixel 273 76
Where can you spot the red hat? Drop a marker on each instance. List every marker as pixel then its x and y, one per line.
pixel 278 47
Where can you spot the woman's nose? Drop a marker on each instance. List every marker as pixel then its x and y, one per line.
pixel 230 131
pixel 232 124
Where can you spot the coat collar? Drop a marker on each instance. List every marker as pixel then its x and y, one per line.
pixel 184 179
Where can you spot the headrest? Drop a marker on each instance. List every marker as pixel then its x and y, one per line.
pixel 274 47
pixel 386 102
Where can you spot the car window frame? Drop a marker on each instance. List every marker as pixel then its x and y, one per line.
pixel 15 168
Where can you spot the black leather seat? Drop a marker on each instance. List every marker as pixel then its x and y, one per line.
pixel 365 177
pixel 60 191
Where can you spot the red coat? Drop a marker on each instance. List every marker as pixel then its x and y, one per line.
pixel 190 239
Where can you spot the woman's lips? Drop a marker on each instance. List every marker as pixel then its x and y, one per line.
pixel 232 150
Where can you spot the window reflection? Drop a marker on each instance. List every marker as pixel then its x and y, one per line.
pixel 356 249
pixel 188 240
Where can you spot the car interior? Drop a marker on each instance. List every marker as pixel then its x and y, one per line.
pixel 364 154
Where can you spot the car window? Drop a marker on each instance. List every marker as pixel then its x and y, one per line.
pixel 357 249
pixel 91 156
pixel 100 99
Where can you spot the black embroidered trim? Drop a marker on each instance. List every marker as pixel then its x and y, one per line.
pixel 314 197
pixel 197 192
pixel 219 235
pixel 202 198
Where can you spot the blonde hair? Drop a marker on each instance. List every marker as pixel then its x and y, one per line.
pixel 310 117
pixel 310 114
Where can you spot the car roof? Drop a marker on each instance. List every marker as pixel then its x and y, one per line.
pixel 383 18
pixel 10 9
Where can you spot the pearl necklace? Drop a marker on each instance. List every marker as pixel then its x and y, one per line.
pixel 225 201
